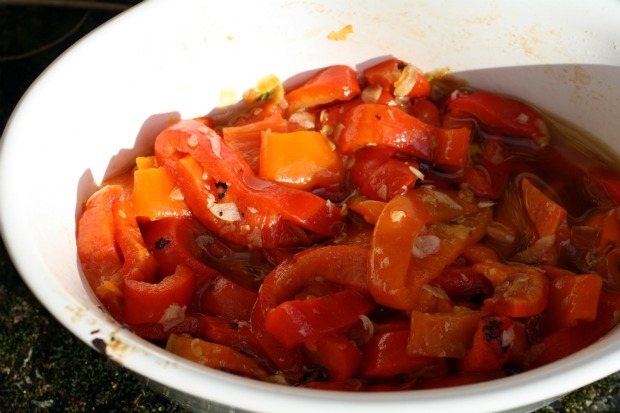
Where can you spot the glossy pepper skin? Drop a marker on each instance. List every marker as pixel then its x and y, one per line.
pixel 446 264
pixel 386 126
pixel 229 199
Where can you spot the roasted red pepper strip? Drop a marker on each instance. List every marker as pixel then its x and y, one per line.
pixel 572 298
pixel 111 206
pixel 386 356
pixel 398 78
pixel 341 264
pixel 237 335
pixel 382 125
pixel 228 199
pixel 497 114
pixel 225 298
pixel 214 355
pixel 462 283
pixel 426 111
pixel 138 263
pixel 294 321
pixel 336 353
pixel 98 252
pixel 379 176
pixel 174 241
pixel 396 277
pixel 491 345
pixel 331 84
pixel 164 302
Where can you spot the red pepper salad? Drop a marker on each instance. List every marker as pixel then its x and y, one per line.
pixel 381 230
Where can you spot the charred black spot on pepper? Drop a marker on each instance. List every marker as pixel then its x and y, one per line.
pixel 378 117
pixel 234 325
pixel 222 188
pixel 161 243
pixel 401 66
pixel 493 331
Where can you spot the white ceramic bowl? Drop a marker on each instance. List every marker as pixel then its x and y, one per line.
pixel 105 99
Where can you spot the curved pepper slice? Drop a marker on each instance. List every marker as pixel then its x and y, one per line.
pixel 341 264
pixel 398 78
pixel 97 250
pixel 337 354
pixel 175 241
pixel 379 176
pixel 386 356
pixel 491 346
pixel 396 277
pixel 164 302
pixel 108 235
pixel 231 201
pixel 214 355
pixel 294 321
pixel 497 114
pixel 520 290
pixel 338 82
pixel 381 125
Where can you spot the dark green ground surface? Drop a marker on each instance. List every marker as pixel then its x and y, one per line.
pixel 43 368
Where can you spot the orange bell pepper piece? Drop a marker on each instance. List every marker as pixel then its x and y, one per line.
pixel 545 214
pixel 448 334
pixel 393 238
pixel 214 355
pixel 156 196
pixel 303 160
pixel 246 139
pixel 520 290
pixel 491 346
pixel 396 277
pixel 572 298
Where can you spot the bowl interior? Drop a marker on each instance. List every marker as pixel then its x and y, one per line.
pixel 103 102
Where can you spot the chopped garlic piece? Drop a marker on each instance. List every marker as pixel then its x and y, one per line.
pixel 176 194
pixel 173 315
pixel 416 172
pixel 192 141
pixel 397 216
pixel 226 211
pixel 406 81
pixel 426 245
pixel 303 119
pixel 371 94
